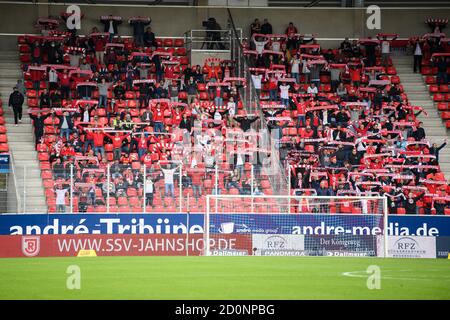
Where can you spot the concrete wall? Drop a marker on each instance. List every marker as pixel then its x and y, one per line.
pixel 174 21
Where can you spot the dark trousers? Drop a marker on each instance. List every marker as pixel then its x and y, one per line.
pixel 37 136
pixel 417 63
pixel 65 92
pixel 149 199
pixel 17 113
pixel 133 146
pixel 441 78
pixel 334 85
pixel 143 100
pixel 139 40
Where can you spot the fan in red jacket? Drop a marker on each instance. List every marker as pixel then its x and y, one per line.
pixel 64 83
pixel 213 72
pixel 36 76
pixel 117 140
pixel 158 118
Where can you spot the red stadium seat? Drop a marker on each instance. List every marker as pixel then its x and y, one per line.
pixel 430 80
pixel 433 88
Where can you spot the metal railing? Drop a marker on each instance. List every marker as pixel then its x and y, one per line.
pixel 173 187
pixel 197 39
pixel 251 101
pixel 14 202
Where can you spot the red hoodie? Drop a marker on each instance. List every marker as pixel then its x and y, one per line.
pixel 117 140
pixel 98 138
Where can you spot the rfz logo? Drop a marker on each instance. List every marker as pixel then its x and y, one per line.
pixel 406 244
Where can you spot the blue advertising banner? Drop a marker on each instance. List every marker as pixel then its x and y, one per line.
pixel 438 226
pixel 12 224
pixel 306 224
pixel 443 247
pixel 99 224
pixel 4 163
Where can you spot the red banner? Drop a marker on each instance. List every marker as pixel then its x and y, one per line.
pixel 119 244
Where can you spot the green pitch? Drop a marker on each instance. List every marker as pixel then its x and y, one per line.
pixel 224 278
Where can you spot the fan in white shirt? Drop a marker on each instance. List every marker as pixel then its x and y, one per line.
pixel 385 47
pixel 259 45
pixel 257 81
pixel 111 27
pixel 284 91
pixel 312 89
pixel 231 106
pixel 418 50
pixel 276 46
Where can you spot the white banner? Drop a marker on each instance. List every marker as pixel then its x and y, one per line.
pixel 411 247
pixel 278 244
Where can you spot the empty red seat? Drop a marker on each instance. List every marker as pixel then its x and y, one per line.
pixel 433 88
pixel 430 80
pixel 124 209
pixel 43 156
pixel 201 87
pixel 442 106
pixel 101 209
pixel 391 70
pixel 121 201
pixel 46 174
pixel 204 96
pixel 426 71
pixel 168 42
pixel 179 43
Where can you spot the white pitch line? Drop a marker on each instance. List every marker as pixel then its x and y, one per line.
pixel 363 274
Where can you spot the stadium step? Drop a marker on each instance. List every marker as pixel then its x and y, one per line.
pixel 418 95
pixel 8 54
pixel 27 172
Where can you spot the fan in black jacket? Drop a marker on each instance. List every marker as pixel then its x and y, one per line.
pixel 410 203
pixel 16 100
pixel 149 38
pixel 434 150
pixel 138 29
pixel 38 121
pixel 245 122
pixel 110 24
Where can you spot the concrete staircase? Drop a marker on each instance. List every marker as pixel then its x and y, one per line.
pixel 418 94
pixel 21 141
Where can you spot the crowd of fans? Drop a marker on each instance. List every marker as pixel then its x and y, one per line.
pixel 104 106
pixel 347 126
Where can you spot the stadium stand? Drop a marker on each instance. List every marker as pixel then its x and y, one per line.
pixel 103 108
